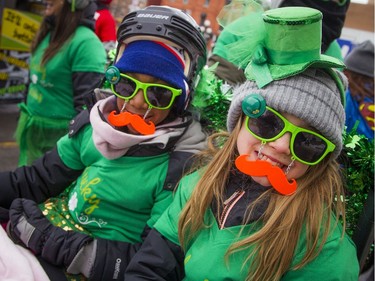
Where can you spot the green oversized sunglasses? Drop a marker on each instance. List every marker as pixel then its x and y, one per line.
pixel 306 146
pixel 156 95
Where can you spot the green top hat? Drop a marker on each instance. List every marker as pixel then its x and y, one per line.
pixel 291 44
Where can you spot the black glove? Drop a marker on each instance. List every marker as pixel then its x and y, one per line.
pixel 55 245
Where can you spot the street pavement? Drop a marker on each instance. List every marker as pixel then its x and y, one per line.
pixel 9 151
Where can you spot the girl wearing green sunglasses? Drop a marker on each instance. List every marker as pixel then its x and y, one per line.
pixel 264 206
pixel 156 95
pixel 144 102
pixel 306 146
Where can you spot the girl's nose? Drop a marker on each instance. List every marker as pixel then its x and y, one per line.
pixel 138 101
pixel 282 144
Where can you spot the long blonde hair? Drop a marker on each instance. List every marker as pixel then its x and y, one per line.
pixel 310 207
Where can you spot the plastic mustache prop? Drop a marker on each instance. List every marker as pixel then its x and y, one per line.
pixel 260 168
pixel 126 118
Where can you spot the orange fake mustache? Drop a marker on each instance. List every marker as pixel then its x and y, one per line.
pixel 260 168
pixel 126 118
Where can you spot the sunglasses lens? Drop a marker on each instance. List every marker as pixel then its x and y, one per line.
pixel 125 87
pixel 309 147
pixel 159 96
pixel 266 126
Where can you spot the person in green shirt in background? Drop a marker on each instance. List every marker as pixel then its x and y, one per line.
pixel 266 205
pixel 67 63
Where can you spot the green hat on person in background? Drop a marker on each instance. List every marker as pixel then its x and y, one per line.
pixel 291 44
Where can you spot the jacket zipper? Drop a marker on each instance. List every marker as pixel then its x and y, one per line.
pixel 228 205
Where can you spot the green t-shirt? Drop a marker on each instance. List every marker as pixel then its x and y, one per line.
pixel 51 86
pixel 204 257
pixel 114 199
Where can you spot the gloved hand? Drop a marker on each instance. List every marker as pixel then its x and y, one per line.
pixel 55 245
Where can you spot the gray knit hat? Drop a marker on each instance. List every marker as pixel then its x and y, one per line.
pixel 312 96
pixel 361 59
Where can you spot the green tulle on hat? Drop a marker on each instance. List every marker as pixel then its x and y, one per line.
pixel 236 10
pixel 243 30
pixel 275 44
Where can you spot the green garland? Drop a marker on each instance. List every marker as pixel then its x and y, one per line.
pixel 211 100
pixel 358 166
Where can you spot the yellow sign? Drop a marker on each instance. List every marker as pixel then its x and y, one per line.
pixel 18 29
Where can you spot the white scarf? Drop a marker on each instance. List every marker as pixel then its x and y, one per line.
pixel 113 143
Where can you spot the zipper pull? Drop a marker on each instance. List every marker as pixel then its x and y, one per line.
pixel 226 202
pixel 228 205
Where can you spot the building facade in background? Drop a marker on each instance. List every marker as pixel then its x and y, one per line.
pixel 203 11
pixel 359 23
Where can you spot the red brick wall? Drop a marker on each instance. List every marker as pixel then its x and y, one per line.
pixel 196 7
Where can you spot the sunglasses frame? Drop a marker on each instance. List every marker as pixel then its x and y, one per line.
pixel 144 87
pixel 294 130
